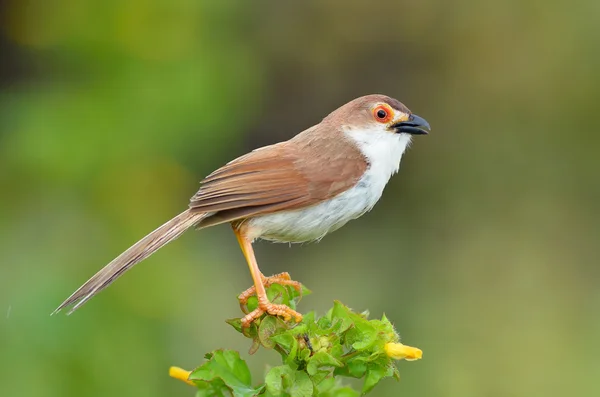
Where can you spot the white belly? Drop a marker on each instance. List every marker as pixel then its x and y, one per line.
pixel 312 223
pixel 383 150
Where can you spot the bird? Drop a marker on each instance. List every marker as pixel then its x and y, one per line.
pixel 293 191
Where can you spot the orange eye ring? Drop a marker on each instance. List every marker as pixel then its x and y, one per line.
pixel 383 114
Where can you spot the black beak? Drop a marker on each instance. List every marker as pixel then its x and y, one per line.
pixel 415 125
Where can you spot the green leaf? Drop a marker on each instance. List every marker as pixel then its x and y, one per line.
pixel 330 387
pixel 337 350
pixel 344 315
pixel 278 294
pixel 309 320
pixel 303 386
pixel 225 368
pixel 305 291
pixel 252 303
pixel 285 340
pixel 385 320
pixel 324 322
pixel 289 344
pixel 320 360
pixel 279 379
pixel 325 385
pixel 304 354
pixel 341 343
pixel 283 381
pixel 344 392
pixel 357 368
pixel 340 311
pixel 250 332
pixel 266 329
pixel 236 323
pixel 320 376
pixel 363 335
pixel 215 388
pixel 366 339
pixel 374 375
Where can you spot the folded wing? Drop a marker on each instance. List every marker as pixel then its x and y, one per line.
pixel 275 178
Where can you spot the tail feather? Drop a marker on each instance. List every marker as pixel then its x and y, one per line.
pixel 135 254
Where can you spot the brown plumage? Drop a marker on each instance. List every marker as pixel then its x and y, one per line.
pixel 135 254
pixel 306 170
pixel 266 180
pixel 311 168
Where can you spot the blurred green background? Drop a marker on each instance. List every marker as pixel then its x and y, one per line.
pixel 483 250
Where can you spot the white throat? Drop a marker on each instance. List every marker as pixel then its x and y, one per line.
pixel 383 151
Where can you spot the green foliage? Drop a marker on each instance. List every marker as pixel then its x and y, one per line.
pixel 223 372
pixel 315 354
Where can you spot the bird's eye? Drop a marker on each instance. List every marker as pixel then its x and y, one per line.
pixel 383 113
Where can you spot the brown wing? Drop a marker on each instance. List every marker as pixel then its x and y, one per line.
pixel 285 176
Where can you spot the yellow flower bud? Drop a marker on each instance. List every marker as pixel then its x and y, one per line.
pixel 181 374
pixel 398 351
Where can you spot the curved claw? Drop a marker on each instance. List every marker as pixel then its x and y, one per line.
pixel 281 279
pixel 274 310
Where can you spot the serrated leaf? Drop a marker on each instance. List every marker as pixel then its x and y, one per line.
pixel 289 343
pixel 304 354
pixel 337 350
pixel 278 294
pixel 285 340
pixel 227 367
pixel 375 373
pixel 303 386
pixel 385 320
pixel 296 295
pixel 236 323
pixel 324 322
pixel 363 336
pixel 299 329
pixel 340 311
pixel 356 368
pixel 365 340
pixel 321 359
pixel 305 291
pixel 251 331
pixel 396 374
pixel 216 388
pixel 325 385
pixel 343 392
pixel 309 318
pixel 385 330
pixel 330 387
pixel 279 379
pixel 343 314
pixel 266 329
pixel 320 376
pixel 343 343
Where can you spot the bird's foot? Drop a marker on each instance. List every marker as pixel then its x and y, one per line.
pixel 281 279
pixel 273 309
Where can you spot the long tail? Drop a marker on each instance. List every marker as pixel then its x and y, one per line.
pixel 135 254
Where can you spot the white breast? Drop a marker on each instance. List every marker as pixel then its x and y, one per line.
pixel 383 151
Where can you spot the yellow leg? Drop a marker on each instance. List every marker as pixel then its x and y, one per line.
pixel 264 305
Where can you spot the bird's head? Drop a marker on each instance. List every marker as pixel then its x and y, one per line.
pixel 379 113
pixel 381 127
